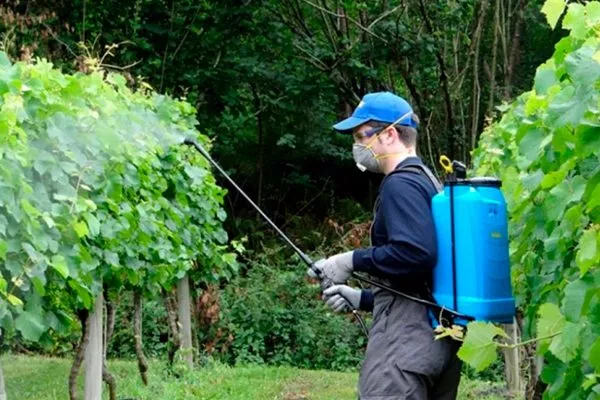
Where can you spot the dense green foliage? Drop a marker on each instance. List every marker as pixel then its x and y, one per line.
pixel 92 195
pixel 546 148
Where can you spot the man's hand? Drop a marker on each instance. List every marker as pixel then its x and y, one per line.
pixel 337 268
pixel 339 297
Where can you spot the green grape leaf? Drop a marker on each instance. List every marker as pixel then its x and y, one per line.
pixel 587 253
pixel 554 178
pixel 3 249
pixel 553 9
pixel 592 9
pixel 479 348
pixel 90 204
pixel 48 220
pixel 28 208
pixel 561 195
pixel 38 285
pixel 81 228
pixel 545 77
pixel 531 144
pixel 568 107
pixel 551 322
pixel 83 293
pixel 594 355
pixel 14 300
pixel 93 224
pixel 563 141
pixel 4 61
pixel 533 180
pixel 31 325
pixel 576 300
pixel 582 67
pixel 575 21
pixel 60 265
pixel 594 198
pixel 565 345
pixel 590 380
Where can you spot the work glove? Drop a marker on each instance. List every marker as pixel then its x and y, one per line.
pixel 341 297
pixel 337 268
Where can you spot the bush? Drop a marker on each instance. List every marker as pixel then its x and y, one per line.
pixel 275 316
pixel 155 329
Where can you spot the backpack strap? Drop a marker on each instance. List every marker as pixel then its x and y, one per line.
pixel 421 170
pixel 426 291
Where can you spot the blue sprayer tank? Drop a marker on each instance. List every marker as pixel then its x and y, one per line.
pixel 479 284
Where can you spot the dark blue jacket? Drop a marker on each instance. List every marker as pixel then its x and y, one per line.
pixel 403 243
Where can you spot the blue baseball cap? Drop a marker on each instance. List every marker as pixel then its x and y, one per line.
pixel 380 107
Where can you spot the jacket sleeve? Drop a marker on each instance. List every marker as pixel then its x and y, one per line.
pixel 366 300
pixel 410 250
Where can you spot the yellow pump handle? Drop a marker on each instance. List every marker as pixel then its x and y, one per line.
pixel 446 164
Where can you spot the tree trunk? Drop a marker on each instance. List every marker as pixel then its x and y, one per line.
pixel 540 387
pixel 476 90
pixel 534 388
pixel 110 381
pixel 496 28
pixel 412 88
pixel 450 125
pixel 261 144
pixel 183 301
pixel 137 333
pixel 504 37
pixel 172 318
pixel 342 23
pixel 94 353
pixel 2 387
pixel 514 49
pixel 83 318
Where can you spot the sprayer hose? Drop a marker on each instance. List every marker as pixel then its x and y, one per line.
pixel 412 298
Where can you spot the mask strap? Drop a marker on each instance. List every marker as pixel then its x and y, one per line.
pixel 369 144
pixel 382 156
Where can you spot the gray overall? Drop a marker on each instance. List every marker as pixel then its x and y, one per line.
pixel 403 360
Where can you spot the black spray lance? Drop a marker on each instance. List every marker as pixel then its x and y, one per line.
pixel 325 282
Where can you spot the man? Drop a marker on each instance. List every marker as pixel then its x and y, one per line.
pixel 403 361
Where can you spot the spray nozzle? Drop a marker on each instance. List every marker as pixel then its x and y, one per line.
pixel 460 170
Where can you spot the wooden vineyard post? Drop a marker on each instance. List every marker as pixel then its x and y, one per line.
pixel 94 353
pixel 512 360
pixel 2 387
pixel 183 310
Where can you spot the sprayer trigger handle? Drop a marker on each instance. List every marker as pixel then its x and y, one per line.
pixel 326 283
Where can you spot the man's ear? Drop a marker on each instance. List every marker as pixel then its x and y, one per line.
pixel 390 134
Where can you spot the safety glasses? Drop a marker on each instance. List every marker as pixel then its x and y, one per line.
pixel 361 135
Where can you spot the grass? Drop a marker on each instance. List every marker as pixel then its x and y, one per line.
pixel 39 378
